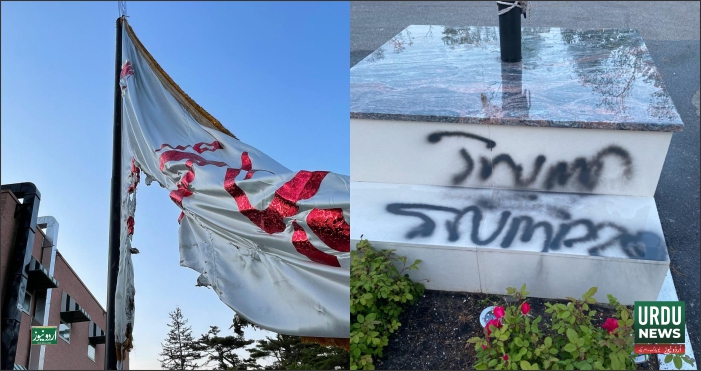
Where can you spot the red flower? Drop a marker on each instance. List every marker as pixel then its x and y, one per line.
pixel 505 357
pixel 499 312
pixel 484 347
pixel 525 308
pixel 494 322
pixel 610 325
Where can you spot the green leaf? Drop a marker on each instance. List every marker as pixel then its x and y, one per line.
pixel 565 314
pixel 481 366
pixel 668 358
pixel 678 363
pixel 624 314
pixel 572 335
pixel 591 300
pixel 492 363
pixel 548 341
pixel 584 365
pixel 525 365
pixel 570 347
pixel 591 291
pixel 409 296
pixel 615 363
pixel 361 318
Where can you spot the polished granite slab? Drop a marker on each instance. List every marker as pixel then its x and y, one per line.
pixel 602 79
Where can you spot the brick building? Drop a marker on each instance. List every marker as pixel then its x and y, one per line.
pixel 54 296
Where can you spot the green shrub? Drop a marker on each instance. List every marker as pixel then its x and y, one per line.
pixel 379 293
pixel 572 341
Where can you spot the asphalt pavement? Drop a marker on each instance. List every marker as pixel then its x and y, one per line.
pixel 670 31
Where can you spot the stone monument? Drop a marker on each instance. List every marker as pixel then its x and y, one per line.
pixel 497 174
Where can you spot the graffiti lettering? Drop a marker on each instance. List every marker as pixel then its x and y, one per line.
pixel 641 245
pixel 559 174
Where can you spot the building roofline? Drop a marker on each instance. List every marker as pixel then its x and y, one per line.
pixel 12 194
pixel 58 253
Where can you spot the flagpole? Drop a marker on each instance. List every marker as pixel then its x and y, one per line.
pixel 115 210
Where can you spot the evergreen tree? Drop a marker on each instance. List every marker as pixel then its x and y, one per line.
pixel 180 351
pixel 222 350
pixel 290 353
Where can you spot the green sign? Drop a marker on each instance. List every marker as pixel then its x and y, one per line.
pixel 43 335
pixel 659 322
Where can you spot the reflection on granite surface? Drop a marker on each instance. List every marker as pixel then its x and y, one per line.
pixel 601 79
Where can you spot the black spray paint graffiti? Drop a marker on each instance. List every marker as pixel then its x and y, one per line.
pixel 641 245
pixel 559 174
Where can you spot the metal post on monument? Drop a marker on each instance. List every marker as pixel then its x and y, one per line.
pixel 510 29
pixel 115 211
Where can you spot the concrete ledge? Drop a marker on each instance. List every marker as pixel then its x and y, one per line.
pixel 589 161
pixel 484 240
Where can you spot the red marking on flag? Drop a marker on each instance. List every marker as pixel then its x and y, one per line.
pixel 329 224
pixel 331 228
pixel 183 191
pixel 194 158
pixel 127 70
pixel 197 147
pixel 130 224
pixel 302 186
pixel 304 247
pixel 135 173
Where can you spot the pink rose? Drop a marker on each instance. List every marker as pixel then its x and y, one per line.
pixel 525 308
pixel 484 347
pixel 494 322
pixel 505 357
pixel 499 312
pixel 610 325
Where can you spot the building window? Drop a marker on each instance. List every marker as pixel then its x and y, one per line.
pixel 64 331
pixel 27 302
pixel 91 352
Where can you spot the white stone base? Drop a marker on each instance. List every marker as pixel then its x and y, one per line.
pixel 629 162
pixel 465 258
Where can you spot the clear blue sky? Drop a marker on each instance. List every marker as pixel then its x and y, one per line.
pixel 275 74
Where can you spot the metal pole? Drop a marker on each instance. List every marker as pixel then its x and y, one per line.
pixel 115 210
pixel 510 33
